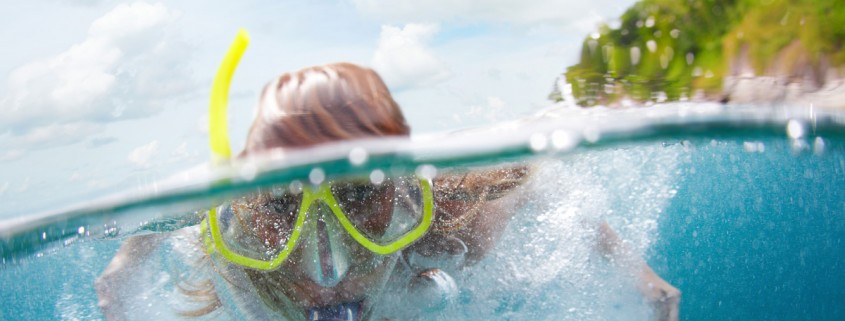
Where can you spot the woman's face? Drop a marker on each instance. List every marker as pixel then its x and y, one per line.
pixel 328 267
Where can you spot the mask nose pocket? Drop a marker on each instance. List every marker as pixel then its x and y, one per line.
pixel 326 252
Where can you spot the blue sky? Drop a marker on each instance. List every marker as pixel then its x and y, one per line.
pixel 101 96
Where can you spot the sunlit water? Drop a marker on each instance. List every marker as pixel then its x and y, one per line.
pixel 742 209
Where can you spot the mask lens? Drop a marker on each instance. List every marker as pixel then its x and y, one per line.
pixel 382 212
pixel 259 225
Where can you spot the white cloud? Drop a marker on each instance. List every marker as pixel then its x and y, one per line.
pixel 125 68
pixel 11 155
pixel 100 141
pixel 58 134
pixel 25 185
pixel 495 102
pixel 181 153
pixel 403 59
pixel 53 135
pixel 588 22
pixel 516 12
pixel 202 123
pixel 82 3
pixel 142 155
pixel 493 110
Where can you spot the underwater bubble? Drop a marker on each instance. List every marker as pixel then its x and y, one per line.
pixel 277 191
pixel 794 129
pixel 562 140
pixel 111 232
pixel 427 171
pixel 748 147
pixel 376 176
pixel 798 145
pixel 818 146
pixel 357 156
pixel 295 187
pixel 81 230
pixel 754 147
pixel 317 176
pixel 538 142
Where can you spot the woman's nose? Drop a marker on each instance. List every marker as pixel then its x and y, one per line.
pixel 325 252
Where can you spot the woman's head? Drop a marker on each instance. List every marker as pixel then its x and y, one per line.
pixel 323 104
pixel 308 107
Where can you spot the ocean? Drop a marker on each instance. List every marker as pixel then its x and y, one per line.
pixel 741 208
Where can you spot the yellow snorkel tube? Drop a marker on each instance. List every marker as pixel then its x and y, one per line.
pixel 218 131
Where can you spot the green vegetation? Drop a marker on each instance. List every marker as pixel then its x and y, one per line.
pixel 671 49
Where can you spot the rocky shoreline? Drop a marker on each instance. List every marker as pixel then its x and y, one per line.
pixel 792 78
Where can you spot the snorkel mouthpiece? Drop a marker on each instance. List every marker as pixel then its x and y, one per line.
pixel 341 312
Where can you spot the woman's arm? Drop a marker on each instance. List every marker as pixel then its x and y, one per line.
pixel 660 293
pixel 475 207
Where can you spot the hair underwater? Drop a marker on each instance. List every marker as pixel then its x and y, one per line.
pixel 322 104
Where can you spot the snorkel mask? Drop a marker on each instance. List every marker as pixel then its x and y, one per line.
pixel 262 230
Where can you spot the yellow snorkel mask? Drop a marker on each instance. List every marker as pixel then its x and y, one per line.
pixel 260 231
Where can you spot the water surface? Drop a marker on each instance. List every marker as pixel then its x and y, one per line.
pixel 740 208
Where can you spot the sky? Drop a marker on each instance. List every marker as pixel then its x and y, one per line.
pixel 101 96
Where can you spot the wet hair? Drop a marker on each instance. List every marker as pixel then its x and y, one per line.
pixel 340 102
pixel 315 105
pixel 322 104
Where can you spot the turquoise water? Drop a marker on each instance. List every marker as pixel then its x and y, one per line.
pixel 741 209
pixel 758 236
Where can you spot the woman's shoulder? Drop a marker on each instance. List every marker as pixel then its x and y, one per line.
pixel 151 270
